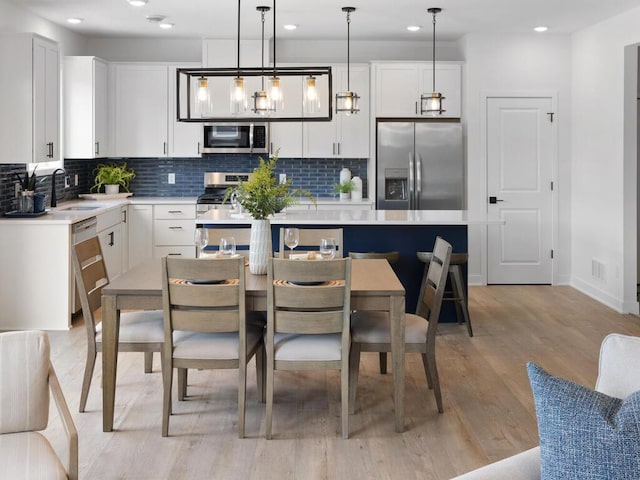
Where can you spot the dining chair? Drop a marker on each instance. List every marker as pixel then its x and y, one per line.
pixel 370 331
pixel 391 257
pixel 310 240
pixel 242 236
pixel 26 377
pixel 308 309
pixel 205 325
pixel 140 331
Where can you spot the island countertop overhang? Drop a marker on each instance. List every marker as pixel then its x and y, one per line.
pixel 355 217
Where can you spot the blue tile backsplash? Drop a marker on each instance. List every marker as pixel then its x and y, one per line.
pixel 318 175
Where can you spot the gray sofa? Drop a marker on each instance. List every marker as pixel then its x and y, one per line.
pixel 615 378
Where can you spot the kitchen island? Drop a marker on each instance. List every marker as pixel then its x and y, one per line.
pixel 404 231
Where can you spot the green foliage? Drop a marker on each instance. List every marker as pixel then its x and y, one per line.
pixel 29 182
pixel 262 195
pixel 344 187
pixel 112 174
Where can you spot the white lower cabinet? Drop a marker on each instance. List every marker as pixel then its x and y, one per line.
pixel 109 231
pixel 173 230
pixel 140 224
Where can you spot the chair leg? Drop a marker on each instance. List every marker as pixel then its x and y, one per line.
pixel 383 362
pixel 269 410
pixel 242 395
pixel 88 374
pixel 426 371
pixel 429 359
pixel 167 380
pixel 344 396
pixel 260 373
pixel 182 383
pixel 354 368
pixel 462 304
pixel 148 362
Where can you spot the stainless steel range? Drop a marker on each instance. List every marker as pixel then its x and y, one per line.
pixel 215 188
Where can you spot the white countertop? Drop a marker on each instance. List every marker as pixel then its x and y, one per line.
pixel 356 217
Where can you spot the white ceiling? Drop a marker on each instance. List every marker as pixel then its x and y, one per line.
pixel 323 19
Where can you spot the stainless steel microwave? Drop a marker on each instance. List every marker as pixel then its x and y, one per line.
pixel 235 138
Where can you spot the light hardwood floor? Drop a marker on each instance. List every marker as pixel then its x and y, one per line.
pixel 489 412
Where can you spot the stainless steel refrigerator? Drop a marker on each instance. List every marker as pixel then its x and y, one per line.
pixel 420 165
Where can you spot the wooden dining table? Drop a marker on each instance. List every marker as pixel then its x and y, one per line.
pixel 374 286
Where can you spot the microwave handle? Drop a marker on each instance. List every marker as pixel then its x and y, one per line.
pixel 251 136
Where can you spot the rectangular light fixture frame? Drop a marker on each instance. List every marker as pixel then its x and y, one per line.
pixel 186 78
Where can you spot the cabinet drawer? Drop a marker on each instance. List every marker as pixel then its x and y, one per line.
pixel 181 252
pixel 108 219
pixel 168 212
pixel 174 232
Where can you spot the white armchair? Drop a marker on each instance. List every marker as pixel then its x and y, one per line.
pixel 26 375
pixel 615 378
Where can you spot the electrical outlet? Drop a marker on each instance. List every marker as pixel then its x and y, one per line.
pixel 76 180
pixel 283 177
pixel 67 181
pixel 171 180
pixel 16 189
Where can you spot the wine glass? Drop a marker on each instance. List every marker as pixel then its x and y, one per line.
pixel 327 248
pixel 227 246
pixel 201 239
pixel 291 238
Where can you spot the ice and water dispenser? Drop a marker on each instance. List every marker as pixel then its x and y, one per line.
pixel 396 184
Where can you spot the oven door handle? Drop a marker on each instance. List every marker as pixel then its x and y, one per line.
pixel 251 137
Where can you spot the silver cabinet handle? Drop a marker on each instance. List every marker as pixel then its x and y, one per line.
pixel 50 150
pixel 174 254
pixel 333 148
pixel 175 211
pixel 97 148
pixel 270 147
pixel 199 151
pixel 338 148
pixel 164 148
pixel 124 216
pixel 416 104
pixel 175 228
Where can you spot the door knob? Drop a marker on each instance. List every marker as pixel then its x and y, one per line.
pixel 495 200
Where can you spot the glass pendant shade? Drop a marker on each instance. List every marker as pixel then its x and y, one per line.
pixel 347 102
pixel 261 103
pixel 203 104
pixel 275 94
pixel 311 98
pixel 238 96
pixel 431 104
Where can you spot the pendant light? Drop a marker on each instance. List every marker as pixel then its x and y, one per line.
pixel 275 91
pixel 431 104
pixel 347 102
pixel 203 103
pixel 311 101
pixel 261 101
pixel 238 93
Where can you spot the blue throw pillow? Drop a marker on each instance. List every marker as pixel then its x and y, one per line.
pixel 585 434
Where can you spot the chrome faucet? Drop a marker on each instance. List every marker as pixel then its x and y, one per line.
pixel 54 199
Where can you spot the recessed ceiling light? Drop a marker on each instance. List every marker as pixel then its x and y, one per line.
pixel 541 29
pixel 290 27
pixel 414 28
pixel 74 20
pixel 155 18
pixel 138 3
pixel 166 25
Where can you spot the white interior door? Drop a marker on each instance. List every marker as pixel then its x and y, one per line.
pixel 519 175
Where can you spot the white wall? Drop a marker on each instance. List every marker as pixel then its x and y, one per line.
pixel 510 64
pixel 605 159
pixel 14 19
pixel 146 49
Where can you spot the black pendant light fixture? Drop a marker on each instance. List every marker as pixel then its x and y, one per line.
pixel 261 101
pixel 431 104
pixel 238 93
pixel 347 102
pixel 275 91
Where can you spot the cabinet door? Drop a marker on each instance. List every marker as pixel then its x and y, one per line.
pixel 319 139
pixel 287 136
pixel 397 90
pixel 353 130
pixel 46 107
pixel 111 243
pixel 140 226
pixel 140 116
pixel 100 109
pixel 184 137
pixel 448 83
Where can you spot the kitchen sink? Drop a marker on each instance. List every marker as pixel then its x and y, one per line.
pixel 78 208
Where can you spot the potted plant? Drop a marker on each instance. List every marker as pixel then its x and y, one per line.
pixel 112 176
pixel 262 196
pixel 344 189
pixel 27 195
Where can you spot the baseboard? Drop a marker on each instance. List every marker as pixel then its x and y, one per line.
pixel 597 294
pixel 475 280
pixel 563 279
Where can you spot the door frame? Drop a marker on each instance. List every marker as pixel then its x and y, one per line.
pixel 485 95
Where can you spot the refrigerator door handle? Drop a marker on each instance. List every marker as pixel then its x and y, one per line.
pixel 411 183
pixel 418 181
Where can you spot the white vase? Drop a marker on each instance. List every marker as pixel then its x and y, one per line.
pixel 344 197
pixel 259 246
pixel 111 189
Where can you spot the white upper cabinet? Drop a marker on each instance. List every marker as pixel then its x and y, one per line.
pixel 286 137
pixel 85 107
pixel 184 137
pixel 346 136
pixel 398 87
pixel 30 99
pixel 140 110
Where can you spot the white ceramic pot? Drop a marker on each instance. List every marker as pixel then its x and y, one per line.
pixel 111 189
pixel 344 197
pixel 259 246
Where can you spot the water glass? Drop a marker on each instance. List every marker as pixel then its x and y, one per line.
pixel 201 239
pixel 227 247
pixel 327 248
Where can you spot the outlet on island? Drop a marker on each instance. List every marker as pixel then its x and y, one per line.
pixel 171 179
